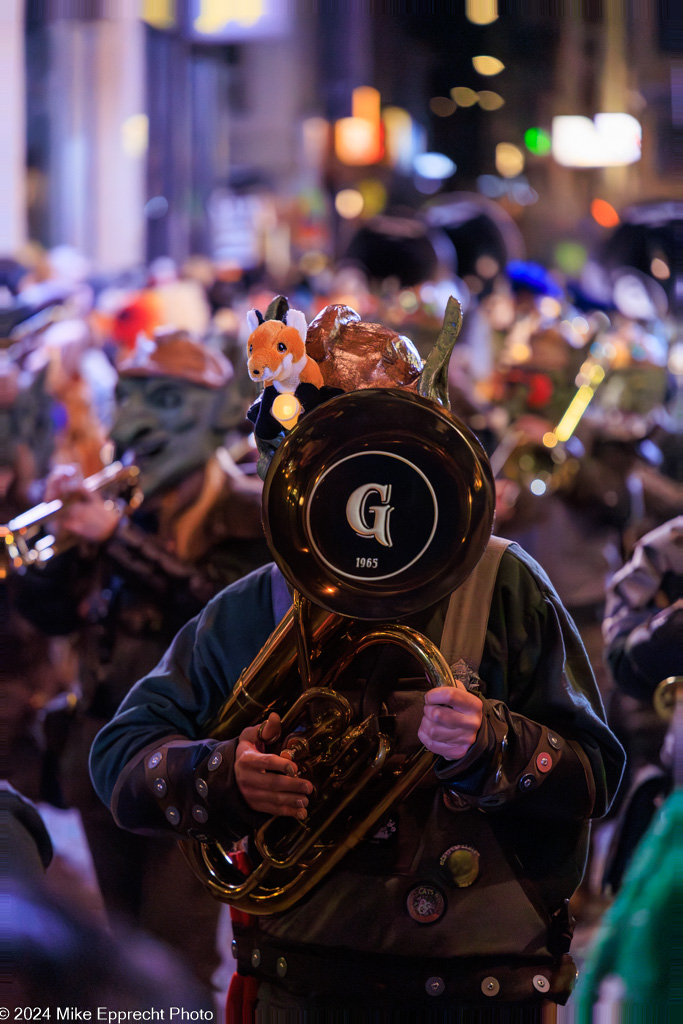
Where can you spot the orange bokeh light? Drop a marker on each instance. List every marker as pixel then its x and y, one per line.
pixel 604 213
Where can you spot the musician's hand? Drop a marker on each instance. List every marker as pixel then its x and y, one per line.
pixel 85 514
pixel 451 721
pixel 269 782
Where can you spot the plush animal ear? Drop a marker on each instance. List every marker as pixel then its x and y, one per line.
pixel 254 318
pixel 297 320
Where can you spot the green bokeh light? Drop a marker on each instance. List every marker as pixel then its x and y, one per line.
pixel 537 141
pixel 570 256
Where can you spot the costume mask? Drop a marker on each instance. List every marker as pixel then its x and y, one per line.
pixel 173 408
pixel 27 434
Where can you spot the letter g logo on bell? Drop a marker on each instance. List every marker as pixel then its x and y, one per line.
pixel 358 509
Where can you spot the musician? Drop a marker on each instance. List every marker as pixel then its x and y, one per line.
pixel 457 899
pixel 130 581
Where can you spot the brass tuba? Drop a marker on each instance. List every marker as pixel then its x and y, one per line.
pixel 376 505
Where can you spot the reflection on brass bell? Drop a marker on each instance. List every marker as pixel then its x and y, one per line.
pixel 462 863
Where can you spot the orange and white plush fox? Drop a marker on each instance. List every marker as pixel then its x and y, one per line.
pixel 276 352
pixel 277 358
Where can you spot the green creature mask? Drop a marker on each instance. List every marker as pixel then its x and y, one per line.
pixel 174 406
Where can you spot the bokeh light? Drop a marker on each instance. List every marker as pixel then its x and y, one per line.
pixel 660 269
pixel 604 214
pixel 509 160
pixel 570 256
pixel 481 12
pixel 463 96
pixel 488 65
pixel 538 141
pixel 434 165
pixel 442 106
pixel 489 100
pixel 348 203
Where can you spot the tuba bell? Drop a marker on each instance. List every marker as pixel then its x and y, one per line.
pixel 377 505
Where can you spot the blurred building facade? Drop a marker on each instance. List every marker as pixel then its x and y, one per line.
pixel 141 128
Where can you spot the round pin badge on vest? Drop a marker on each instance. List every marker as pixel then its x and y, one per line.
pixel 425 903
pixel 462 864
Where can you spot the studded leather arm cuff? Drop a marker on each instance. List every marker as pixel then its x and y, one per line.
pixel 183 788
pixel 521 759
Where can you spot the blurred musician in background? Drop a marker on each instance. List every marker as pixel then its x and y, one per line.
pixel 124 581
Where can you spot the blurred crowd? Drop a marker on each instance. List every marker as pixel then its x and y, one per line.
pixel 129 494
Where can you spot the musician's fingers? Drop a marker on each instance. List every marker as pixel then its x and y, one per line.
pixel 267 732
pixel 452 696
pixel 451 717
pixel 274 781
pixel 276 794
pixel 64 480
pixel 278 804
pixel 453 748
pixel 262 762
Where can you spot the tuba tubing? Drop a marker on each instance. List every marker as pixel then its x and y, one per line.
pixel 294 855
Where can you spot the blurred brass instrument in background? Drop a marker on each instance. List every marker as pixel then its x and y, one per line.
pixel 25 539
pixel 550 463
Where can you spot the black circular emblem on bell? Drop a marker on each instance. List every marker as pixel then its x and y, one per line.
pixel 378 504
pixel 387 523
pixel 425 904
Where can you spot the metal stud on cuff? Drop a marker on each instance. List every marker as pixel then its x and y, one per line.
pixel 541 983
pixel 281 967
pixel 490 986
pixel 434 986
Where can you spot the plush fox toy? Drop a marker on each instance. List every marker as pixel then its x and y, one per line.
pixel 276 352
pixel 277 358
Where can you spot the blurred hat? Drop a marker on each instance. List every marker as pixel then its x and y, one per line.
pixel 401 247
pixel 172 353
pixel 477 227
pixel 532 277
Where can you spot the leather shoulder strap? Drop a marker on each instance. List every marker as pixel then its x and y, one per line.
pixel 464 629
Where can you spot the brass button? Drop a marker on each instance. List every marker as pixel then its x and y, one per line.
pixel 255 957
pixel 490 986
pixel 435 986
pixel 541 983
pixel 462 863
pixel 281 967
pixel 201 787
